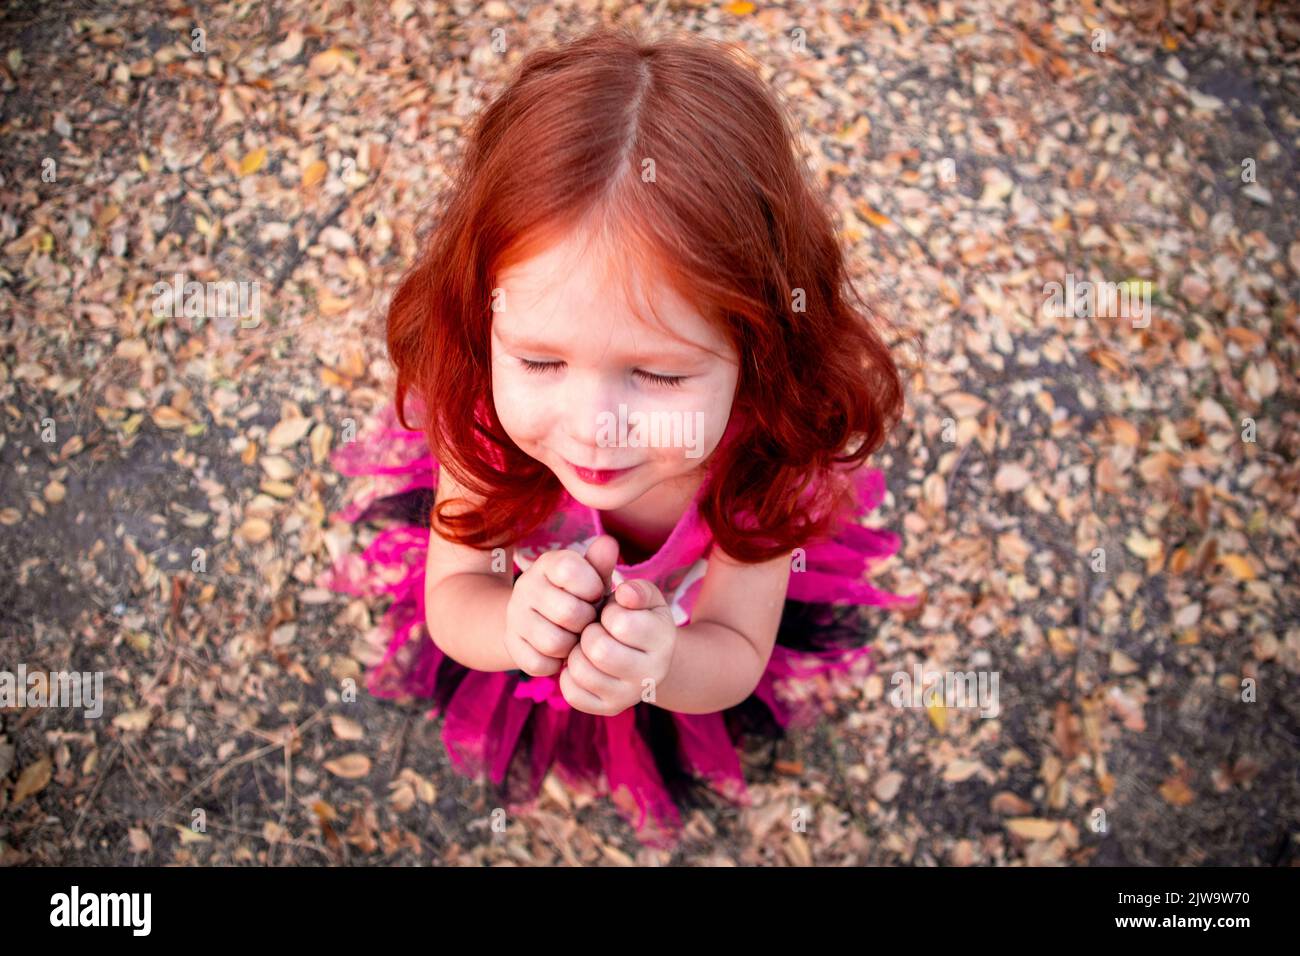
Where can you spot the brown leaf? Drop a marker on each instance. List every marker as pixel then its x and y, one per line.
pixel 1032 828
pixel 345 728
pixel 1237 566
pixel 288 432
pixel 1011 477
pixel 33 779
pixel 349 767
pixel 1176 792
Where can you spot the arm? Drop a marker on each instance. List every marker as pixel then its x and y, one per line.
pixel 719 657
pixel 465 600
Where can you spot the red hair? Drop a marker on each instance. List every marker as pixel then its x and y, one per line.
pixel 730 219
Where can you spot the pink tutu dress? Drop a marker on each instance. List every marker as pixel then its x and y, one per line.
pixel 515 728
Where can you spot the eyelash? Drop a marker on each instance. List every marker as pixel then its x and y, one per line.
pixel 667 381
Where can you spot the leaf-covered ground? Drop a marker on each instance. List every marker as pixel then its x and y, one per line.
pixel 1100 509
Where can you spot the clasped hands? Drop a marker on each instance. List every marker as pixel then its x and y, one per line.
pixel 605 665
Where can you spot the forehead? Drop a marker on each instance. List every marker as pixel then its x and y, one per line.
pixel 576 291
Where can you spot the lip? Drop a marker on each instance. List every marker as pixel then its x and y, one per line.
pixel 602 476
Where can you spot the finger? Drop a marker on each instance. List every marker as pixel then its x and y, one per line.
pixel 629 628
pixel 578 697
pixel 571 572
pixel 639 595
pixel 547 638
pixel 602 555
pixel 532 662
pixel 611 656
pixel 564 610
pixel 590 678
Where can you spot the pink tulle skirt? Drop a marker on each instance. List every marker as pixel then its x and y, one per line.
pixel 652 763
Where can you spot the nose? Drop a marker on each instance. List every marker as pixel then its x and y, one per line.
pixel 589 398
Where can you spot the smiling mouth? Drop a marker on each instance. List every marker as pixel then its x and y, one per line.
pixel 598 476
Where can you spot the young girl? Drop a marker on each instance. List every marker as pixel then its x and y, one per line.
pixel 626 362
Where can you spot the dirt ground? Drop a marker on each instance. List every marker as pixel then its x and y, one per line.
pixel 166 496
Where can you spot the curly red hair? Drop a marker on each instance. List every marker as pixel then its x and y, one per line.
pixel 731 220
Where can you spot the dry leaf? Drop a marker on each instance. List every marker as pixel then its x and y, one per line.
pixel 1011 477
pixel 1032 828
pixel 1237 566
pixel 349 767
pixel 314 173
pixel 252 162
pixel 164 416
pixel 345 728
pixel 33 779
pixel 134 720
pixel 288 432
pixel 255 530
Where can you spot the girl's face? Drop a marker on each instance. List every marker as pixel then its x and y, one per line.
pixel 612 404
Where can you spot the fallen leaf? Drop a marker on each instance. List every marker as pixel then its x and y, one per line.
pixel 288 432
pixel 133 720
pixel 1237 566
pixel 349 767
pixel 345 728
pixel 1011 477
pixel 252 162
pixel 1032 828
pixel 33 779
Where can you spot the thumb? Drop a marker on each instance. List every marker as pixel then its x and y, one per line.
pixel 602 555
pixel 639 594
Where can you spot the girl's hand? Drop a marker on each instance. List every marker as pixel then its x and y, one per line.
pixel 552 602
pixel 623 657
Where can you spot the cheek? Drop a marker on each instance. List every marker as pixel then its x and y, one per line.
pixel 518 407
pixel 717 413
pixel 709 411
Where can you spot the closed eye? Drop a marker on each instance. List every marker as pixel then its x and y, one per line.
pixel 532 366
pixel 668 381
pixel 664 381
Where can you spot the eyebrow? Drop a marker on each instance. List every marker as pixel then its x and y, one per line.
pixel 547 348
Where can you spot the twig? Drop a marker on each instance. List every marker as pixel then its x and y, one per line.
pixel 242 759
pixel 299 251
pixel 99 782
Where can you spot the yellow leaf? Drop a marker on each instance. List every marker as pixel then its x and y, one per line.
pixel 1238 567
pixel 938 716
pixel 313 173
pixel 877 219
pixel 252 162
